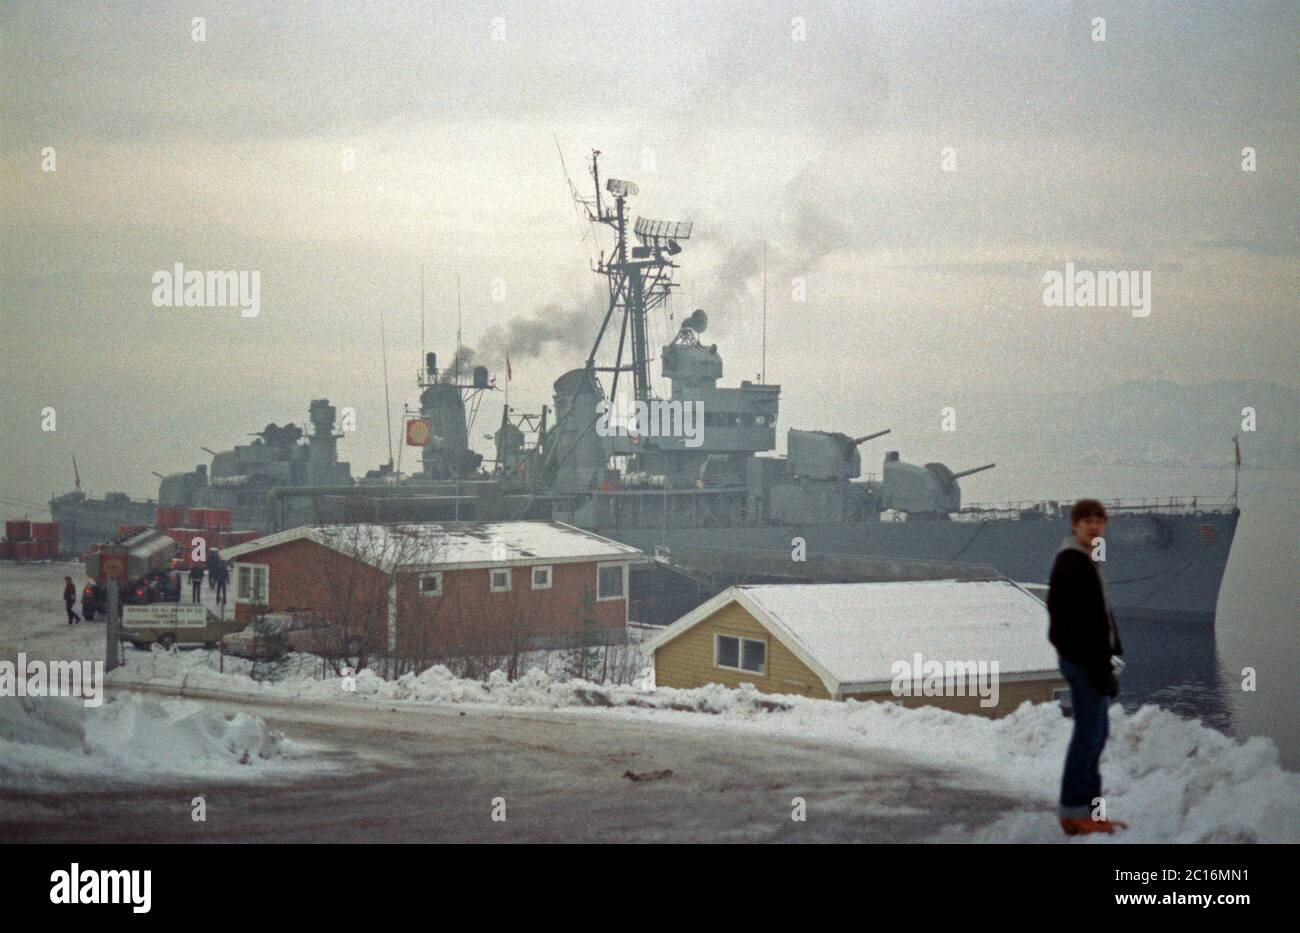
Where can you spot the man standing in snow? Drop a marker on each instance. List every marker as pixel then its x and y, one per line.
pixel 218 576
pixel 70 600
pixel 1086 639
pixel 196 583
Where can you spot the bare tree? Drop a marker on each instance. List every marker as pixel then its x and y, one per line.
pixel 361 570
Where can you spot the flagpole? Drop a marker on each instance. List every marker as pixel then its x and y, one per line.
pixel 1236 471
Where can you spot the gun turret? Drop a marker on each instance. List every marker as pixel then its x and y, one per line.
pixel 870 437
pixel 978 469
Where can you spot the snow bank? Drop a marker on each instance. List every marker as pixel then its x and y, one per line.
pixel 130 739
pixel 302 679
pixel 1172 779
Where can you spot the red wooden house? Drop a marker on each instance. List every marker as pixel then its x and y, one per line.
pixel 421 588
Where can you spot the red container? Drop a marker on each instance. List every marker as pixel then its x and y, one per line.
pixel 217 518
pixel 196 518
pixel 184 537
pixel 18 529
pixel 45 531
pixel 231 538
pixel 6 551
pixel 23 550
pixel 170 516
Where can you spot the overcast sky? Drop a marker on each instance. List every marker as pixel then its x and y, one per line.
pixel 816 129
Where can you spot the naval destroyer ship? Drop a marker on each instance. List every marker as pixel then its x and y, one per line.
pixel 718 497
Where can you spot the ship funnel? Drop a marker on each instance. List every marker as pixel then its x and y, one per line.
pixel 869 437
pixel 978 469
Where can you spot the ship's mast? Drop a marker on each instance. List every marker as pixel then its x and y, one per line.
pixel 640 278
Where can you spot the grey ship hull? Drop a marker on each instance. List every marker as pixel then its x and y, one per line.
pixel 1164 568
pixel 86 522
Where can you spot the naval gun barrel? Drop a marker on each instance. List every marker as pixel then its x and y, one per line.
pixel 978 469
pixel 868 437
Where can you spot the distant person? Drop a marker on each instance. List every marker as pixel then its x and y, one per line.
pixel 1086 639
pixel 70 600
pixel 218 577
pixel 196 583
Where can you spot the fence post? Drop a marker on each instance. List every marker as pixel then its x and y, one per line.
pixel 111 628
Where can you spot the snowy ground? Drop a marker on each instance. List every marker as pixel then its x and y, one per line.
pixel 426 754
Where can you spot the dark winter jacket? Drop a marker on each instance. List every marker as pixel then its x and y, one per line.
pixel 196 573
pixel 1082 628
pixel 69 592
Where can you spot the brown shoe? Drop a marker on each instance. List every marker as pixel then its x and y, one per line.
pixel 1083 826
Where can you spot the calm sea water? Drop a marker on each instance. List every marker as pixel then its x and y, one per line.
pixel 1258 623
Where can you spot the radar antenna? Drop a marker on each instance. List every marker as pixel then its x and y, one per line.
pixel 640 277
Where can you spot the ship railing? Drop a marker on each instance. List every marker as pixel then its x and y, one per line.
pixel 1060 508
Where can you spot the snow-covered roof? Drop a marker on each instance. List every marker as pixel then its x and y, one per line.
pixel 851 634
pixel 464 545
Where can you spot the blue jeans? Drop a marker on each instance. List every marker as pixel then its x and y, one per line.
pixel 1081 782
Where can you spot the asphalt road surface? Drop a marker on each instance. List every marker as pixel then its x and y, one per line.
pixel 431 775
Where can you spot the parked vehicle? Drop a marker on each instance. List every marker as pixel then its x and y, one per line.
pixel 275 634
pixel 141 563
pixel 168 624
pixel 159 586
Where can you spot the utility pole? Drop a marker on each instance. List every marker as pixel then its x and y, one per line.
pixel 763 378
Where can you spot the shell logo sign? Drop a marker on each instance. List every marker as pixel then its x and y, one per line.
pixel 417 432
pixel 112 567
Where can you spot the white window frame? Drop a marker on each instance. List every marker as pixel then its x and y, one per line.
pixel 425 576
pixel 492 579
pixel 623 595
pixel 550 576
pixel 258 570
pixel 740 654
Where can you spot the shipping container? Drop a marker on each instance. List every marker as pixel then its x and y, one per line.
pixel 45 531
pixel 6 550
pixel 18 529
pixel 23 550
pixel 170 516
pixel 218 518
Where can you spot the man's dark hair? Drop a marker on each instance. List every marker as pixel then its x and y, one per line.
pixel 1087 508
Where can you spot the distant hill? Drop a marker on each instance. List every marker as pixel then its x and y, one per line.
pixel 1164 423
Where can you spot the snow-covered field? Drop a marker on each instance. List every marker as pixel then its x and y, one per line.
pixel 1172 779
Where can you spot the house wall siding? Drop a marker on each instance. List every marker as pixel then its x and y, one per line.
pixel 469 612
pixel 303 575
pixel 687 660
pixel 1010 696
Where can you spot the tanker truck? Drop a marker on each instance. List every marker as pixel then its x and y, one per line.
pixel 141 563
